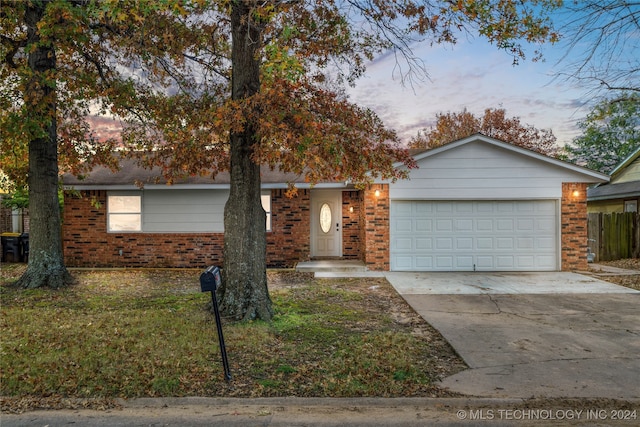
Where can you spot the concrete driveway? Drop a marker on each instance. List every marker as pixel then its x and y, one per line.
pixel 532 334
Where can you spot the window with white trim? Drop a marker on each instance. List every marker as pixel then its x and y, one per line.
pixel 124 213
pixel 266 205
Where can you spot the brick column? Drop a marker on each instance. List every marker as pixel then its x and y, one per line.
pixel 574 226
pixel 351 220
pixel 376 227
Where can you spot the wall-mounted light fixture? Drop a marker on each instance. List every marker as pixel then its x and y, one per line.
pixel 576 193
pixel 377 193
pixel 351 209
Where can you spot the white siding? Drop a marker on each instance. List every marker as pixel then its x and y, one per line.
pixel 184 211
pixel 479 170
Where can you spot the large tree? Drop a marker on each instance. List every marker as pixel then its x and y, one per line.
pixel 61 61
pixel 230 85
pixel 610 133
pixel 494 123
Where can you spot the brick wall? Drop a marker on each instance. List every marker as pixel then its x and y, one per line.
pixel 87 244
pixel 288 242
pixel 574 226
pixel 351 230
pixel 375 230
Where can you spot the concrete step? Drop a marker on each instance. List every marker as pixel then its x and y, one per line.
pixel 331 266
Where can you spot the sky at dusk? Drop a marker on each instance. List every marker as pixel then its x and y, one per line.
pixel 475 75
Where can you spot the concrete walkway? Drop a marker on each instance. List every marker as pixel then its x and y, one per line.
pixel 533 334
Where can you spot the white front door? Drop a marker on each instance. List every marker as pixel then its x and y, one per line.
pixel 326 223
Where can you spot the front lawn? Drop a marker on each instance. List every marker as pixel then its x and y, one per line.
pixel 132 333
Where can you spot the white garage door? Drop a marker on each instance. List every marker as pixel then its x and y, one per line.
pixel 474 235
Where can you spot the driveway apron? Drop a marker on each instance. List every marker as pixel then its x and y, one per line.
pixel 532 334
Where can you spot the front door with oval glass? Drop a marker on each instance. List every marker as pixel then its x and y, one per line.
pixel 326 223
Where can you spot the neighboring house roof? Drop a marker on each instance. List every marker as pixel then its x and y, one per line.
pixel 625 181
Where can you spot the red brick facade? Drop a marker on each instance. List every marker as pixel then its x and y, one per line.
pixel 574 226
pixel 351 230
pixel 289 240
pixel 87 243
pixel 375 232
pixel 365 233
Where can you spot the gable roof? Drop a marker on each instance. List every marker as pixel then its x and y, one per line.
pixel 618 190
pixel 588 174
pixel 131 172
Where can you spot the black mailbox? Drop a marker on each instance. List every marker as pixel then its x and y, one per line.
pixel 210 279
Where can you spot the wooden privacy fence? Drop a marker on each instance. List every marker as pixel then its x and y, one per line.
pixel 614 236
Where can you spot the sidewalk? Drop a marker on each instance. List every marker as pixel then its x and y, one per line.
pixel 607 270
pixel 289 411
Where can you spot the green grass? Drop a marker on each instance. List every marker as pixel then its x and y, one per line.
pixel 140 333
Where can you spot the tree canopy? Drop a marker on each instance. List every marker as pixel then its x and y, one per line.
pixel 610 133
pixel 203 86
pixel 494 123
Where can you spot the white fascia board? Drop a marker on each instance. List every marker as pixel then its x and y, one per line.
pixel 148 187
pixel 151 187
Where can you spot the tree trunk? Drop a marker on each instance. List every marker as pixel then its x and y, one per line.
pixel 46 262
pixel 244 294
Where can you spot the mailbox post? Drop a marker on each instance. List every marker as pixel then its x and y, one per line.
pixel 210 279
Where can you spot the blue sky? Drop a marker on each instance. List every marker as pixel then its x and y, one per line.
pixel 475 75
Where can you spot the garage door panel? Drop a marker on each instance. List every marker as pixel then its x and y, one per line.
pixel 404 262
pixel 423 225
pixel 525 243
pixel 485 262
pixel 484 243
pixel 444 243
pixel 404 225
pixel 484 224
pixel 525 224
pixel 474 235
pixel 444 262
pixel 403 210
pixel 504 243
pixel 424 262
pixel 444 225
pixel 403 244
pixel 444 207
pixel 464 224
pixel 421 208
pixel 525 262
pixel 543 224
pixel 546 243
pixel 464 262
pixel 464 243
pixel 423 243
pixel 546 262
pixel 505 262
pixel 463 207
pixel 504 224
